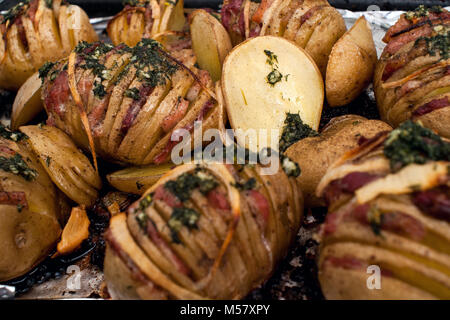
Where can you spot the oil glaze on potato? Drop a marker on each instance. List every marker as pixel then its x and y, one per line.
pixel 29 212
pixel 315 154
pixel 252 102
pixel 210 42
pixel 351 64
pixel 67 166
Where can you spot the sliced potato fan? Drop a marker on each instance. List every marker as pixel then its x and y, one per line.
pixel 210 42
pixel 68 168
pixel 263 79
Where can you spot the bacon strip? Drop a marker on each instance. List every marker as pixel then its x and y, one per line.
pixel 431 106
pixel 13 198
pixel 135 107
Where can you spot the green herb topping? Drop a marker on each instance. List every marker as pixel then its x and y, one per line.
pixel 49 3
pixel 275 75
pixel 132 93
pixel 412 143
pixel 182 217
pixel 294 130
pixel 375 218
pixel 422 11
pixel 183 186
pixel 18 166
pixel 250 184
pixel 11 135
pixel 291 168
pixel 11 14
pixel 45 69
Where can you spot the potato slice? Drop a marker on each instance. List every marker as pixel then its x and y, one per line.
pixel 138 179
pixel 28 102
pixel 254 103
pixel 68 168
pixel 351 64
pixel 210 41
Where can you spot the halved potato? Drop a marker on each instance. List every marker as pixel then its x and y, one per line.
pixel 351 64
pixel 67 166
pixel 263 79
pixel 28 102
pixel 210 42
pixel 138 179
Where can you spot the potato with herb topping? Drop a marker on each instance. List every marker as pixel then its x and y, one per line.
pixel 205 231
pixel 389 209
pixel 30 214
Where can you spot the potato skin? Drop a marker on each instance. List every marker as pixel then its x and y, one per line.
pixel 410 75
pixel 339 136
pixel 26 235
pixel 351 64
pixel 38 34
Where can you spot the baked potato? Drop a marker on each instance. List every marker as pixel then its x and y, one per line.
pixel 67 166
pixel 29 207
pixel 36 31
pixel 210 42
pixel 145 19
pixel 137 180
pixel 313 24
pixel 412 79
pixel 315 154
pixel 263 79
pixel 128 105
pixel 388 209
pixel 203 231
pixel 351 64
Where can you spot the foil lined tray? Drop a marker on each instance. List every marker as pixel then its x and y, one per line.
pixel 296 276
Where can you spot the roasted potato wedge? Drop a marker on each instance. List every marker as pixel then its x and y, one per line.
pixel 67 166
pixel 351 64
pixel 210 42
pixel 138 179
pixel 263 79
pixel 30 214
pixel 340 135
pixel 28 103
pixel 388 212
pixel 34 33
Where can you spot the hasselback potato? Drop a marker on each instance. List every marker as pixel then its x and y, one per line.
pixel 204 231
pixel 30 213
pixel 145 19
pixel 125 103
pixel 389 204
pixel 412 77
pixel 313 24
pixel 35 31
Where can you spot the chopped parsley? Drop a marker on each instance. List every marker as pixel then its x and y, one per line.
pixel 17 166
pixel 422 11
pixel 275 75
pixel 19 207
pixel 250 184
pixel 11 135
pixel 182 217
pixel 99 89
pixel 294 130
pixel 45 69
pixel 49 3
pixel 291 168
pixel 132 93
pixel 11 14
pixel 183 186
pixel 412 143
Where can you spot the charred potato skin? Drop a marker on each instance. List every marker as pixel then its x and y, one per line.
pixel 313 24
pixel 226 282
pixel 411 79
pixel 132 104
pixel 340 135
pixel 30 228
pixel 36 34
pixel 358 234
